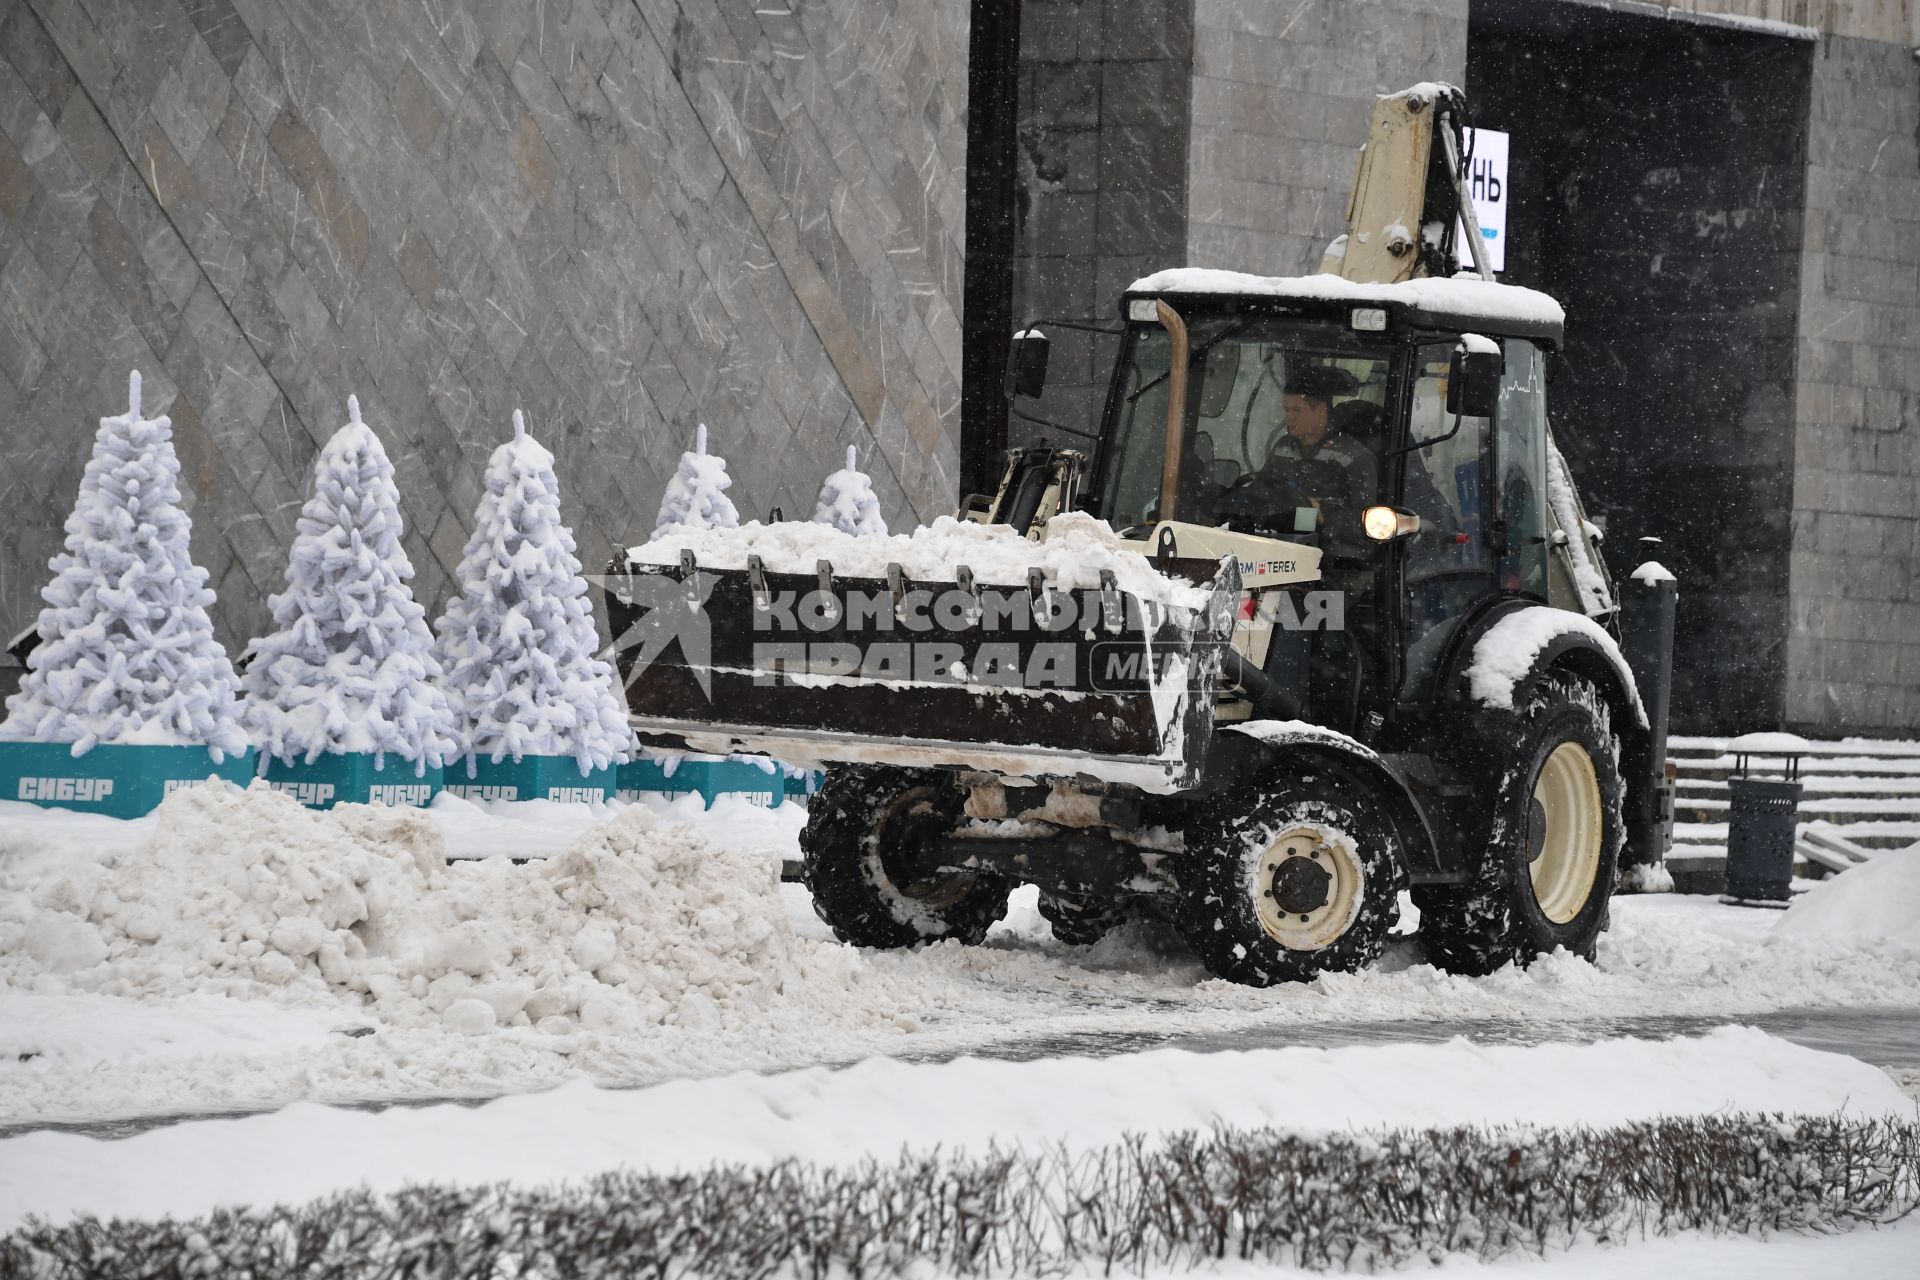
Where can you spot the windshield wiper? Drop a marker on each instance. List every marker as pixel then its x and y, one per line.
pixel 1237 326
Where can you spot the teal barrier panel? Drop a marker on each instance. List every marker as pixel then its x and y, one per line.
pixel 802 783
pixel 119 780
pixel 707 776
pixel 556 778
pixel 352 777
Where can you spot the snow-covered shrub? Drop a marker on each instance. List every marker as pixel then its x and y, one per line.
pixel 349 666
pixel 517 644
pixel 127 652
pixel 848 502
pixel 696 497
pixel 1341 1202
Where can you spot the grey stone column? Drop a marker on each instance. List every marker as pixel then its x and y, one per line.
pixel 1853 647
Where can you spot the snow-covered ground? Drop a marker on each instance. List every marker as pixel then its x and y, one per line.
pixel 878 1107
pixel 237 953
pixel 209 959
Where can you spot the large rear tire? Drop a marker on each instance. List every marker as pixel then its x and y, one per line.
pixel 1285 881
pixel 859 824
pixel 1552 850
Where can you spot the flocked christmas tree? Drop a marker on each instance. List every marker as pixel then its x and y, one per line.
pixel 696 497
pixel 127 652
pixel 349 666
pixel 517 644
pixel 848 502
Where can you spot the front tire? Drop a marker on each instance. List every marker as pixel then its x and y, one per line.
pixel 1552 850
pixel 859 825
pixel 1285 881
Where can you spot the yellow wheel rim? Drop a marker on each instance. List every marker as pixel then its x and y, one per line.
pixel 1328 868
pixel 1564 832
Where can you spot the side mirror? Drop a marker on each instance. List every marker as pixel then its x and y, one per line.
pixel 1029 364
pixel 1473 379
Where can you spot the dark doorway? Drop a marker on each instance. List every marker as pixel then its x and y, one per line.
pixel 993 105
pixel 1657 179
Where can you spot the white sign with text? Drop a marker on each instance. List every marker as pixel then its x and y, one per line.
pixel 1487 188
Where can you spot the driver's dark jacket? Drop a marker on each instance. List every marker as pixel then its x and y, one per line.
pixel 1340 472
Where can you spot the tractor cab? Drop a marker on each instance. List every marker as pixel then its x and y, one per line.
pixel 1399 429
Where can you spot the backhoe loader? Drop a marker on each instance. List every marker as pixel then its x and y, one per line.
pixel 1320 620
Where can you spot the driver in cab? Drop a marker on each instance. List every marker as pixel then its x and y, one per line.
pixel 1310 466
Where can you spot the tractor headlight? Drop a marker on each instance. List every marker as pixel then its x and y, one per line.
pixel 1384 524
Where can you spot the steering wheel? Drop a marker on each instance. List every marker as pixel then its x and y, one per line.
pixel 1260 503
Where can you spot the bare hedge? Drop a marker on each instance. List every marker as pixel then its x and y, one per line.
pixel 1339 1202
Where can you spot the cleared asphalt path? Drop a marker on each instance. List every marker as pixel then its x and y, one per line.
pixel 1888 1038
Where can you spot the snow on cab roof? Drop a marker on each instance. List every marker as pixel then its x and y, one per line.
pixel 1464 297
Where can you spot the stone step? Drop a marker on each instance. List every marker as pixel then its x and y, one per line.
pixel 1865 791
pixel 1842 811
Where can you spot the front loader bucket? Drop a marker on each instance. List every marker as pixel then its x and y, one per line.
pixel 1025 680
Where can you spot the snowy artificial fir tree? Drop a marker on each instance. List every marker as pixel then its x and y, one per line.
pixel 349 666
pixel 127 653
pixel 518 643
pixel 848 502
pixel 696 497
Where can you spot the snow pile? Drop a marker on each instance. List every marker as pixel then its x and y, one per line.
pixel 518 643
pixel 1507 653
pixel 1651 572
pixel 127 652
pixel 1875 905
pixel 1766 742
pixel 349 666
pixel 696 497
pixel 847 501
pixel 249 894
pixel 1077 548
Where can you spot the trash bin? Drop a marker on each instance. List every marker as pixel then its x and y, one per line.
pixel 1762 817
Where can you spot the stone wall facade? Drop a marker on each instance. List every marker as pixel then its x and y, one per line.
pixel 1282 94
pixel 1853 646
pixel 624 216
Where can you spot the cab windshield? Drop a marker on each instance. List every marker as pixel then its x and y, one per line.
pixel 1284 433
